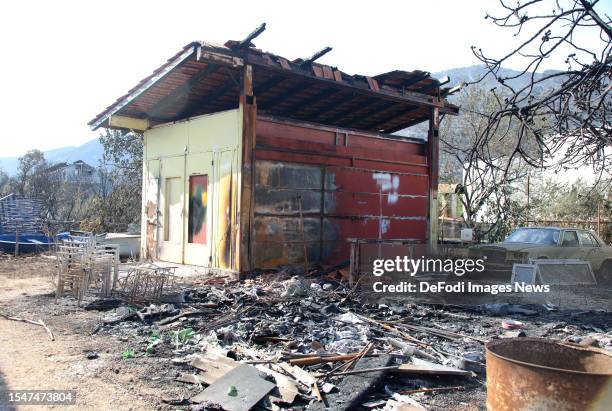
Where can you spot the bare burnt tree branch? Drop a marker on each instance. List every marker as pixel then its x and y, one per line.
pixel 566 114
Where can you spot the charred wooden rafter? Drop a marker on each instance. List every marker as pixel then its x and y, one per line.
pixel 315 57
pixel 350 110
pixel 210 69
pixel 307 102
pixel 237 45
pixel 339 99
pixel 404 125
pixel 415 80
pixel 181 91
pixel 269 84
pixel 279 98
pixel 200 105
pixel 435 85
pixel 391 117
pixel 386 106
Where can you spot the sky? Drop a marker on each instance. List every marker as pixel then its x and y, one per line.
pixel 62 62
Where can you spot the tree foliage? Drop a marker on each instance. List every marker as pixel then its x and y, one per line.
pixel 571 123
pixel 487 174
pixel 117 204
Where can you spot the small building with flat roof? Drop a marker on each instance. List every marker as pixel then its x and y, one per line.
pixel 252 160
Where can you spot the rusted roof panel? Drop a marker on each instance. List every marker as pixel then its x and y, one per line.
pixel 204 78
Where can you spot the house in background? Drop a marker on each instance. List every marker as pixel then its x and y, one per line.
pixel 77 172
pixel 253 161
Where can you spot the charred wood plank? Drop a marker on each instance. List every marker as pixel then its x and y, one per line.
pixel 247 40
pixel 315 56
pixel 353 388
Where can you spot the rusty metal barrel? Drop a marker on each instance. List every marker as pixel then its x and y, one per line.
pixel 541 374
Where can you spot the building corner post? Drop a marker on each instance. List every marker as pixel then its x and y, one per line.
pixel 433 152
pixel 249 114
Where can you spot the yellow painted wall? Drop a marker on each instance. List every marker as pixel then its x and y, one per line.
pixel 211 145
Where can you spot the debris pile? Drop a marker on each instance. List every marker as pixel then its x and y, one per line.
pixel 291 342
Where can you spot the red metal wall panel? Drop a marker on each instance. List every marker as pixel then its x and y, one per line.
pixel 352 204
pixel 317 187
pixel 334 136
pixel 372 181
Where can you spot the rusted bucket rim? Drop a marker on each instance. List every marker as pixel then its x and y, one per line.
pixel 493 343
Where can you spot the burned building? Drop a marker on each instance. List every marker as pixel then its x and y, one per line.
pixel 253 161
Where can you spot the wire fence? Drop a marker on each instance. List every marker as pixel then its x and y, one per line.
pixel 21 215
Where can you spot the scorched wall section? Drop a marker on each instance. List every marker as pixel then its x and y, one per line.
pixel 315 187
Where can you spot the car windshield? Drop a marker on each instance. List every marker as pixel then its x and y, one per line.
pixel 547 236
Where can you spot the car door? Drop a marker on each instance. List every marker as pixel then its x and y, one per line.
pixel 570 246
pixel 592 249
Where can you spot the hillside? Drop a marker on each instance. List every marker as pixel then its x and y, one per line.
pixel 474 73
pixel 90 152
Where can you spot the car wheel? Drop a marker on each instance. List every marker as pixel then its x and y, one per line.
pixel 605 272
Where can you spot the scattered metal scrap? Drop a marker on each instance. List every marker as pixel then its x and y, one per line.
pixel 309 340
pixel 280 342
pixel 145 283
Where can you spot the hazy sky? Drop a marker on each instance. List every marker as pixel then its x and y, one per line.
pixel 62 62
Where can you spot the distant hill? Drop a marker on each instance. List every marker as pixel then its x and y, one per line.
pixel 474 73
pixel 90 152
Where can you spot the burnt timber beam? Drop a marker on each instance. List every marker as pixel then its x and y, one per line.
pixel 247 40
pixel 315 115
pixel 307 102
pixel 315 56
pixel 409 97
pixel 391 117
pixel 414 80
pixel 279 98
pixel 378 110
pixel 405 125
pixel 274 81
pixel 201 104
pixel 247 101
pixel 436 84
pixel 433 152
pixel 181 90
pixel 429 87
pixel 350 110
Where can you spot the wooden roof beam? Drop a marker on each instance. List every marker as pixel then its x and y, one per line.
pixel 264 87
pixel 181 91
pixel 201 104
pixel 391 117
pixel 412 98
pixel 405 125
pixel 351 109
pixel 315 56
pixel 247 40
pixel 415 80
pixel 279 98
pixel 123 122
pixel 315 115
pixel 308 101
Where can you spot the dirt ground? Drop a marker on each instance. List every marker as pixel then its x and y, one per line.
pixel 30 360
pixel 91 363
